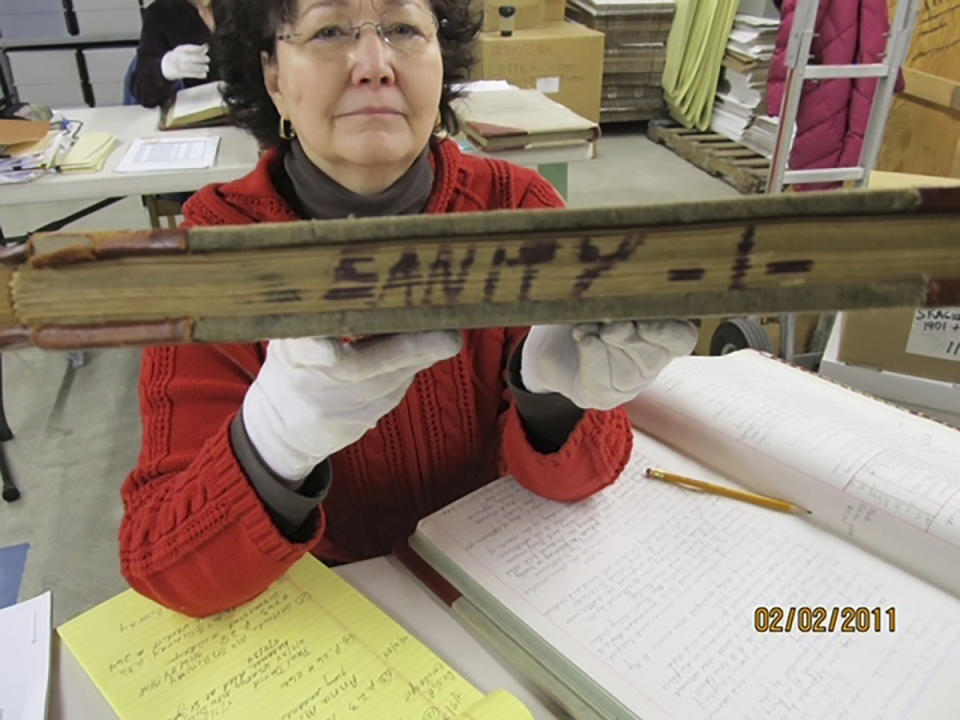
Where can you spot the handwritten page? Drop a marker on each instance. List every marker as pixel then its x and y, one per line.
pixel 651 589
pixel 25 659
pixel 311 646
pixel 871 472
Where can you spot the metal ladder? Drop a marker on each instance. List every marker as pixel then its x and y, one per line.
pixel 799 69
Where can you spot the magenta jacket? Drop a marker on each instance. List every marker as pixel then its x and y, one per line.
pixel 833 114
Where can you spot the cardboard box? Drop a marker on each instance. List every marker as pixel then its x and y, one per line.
pixel 554 10
pixel 879 339
pixel 882 338
pixel 529 14
pixel 940 400
pixel 562 60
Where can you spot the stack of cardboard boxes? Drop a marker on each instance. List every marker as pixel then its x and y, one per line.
pixel 529 44
pixel 636 34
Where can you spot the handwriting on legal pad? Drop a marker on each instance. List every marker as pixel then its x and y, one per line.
pixel 311 646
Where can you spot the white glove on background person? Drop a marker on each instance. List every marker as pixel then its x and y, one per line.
pixel 601 365
pixel 315 396
pixel 185 61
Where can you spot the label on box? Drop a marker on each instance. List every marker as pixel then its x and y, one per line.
pixel 548 85
pixel 936 333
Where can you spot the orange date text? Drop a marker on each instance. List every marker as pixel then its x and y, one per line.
pixel 819 619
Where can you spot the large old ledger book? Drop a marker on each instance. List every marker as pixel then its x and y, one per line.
pixel 310 646
pixel 757 255
pixel 517 118
pixel 652 601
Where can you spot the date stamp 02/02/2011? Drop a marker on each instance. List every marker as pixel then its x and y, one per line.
pixel 820 619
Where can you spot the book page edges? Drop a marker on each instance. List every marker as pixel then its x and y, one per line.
pixel 779 466
pixel 575 680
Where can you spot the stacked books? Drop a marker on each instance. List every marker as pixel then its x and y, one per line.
pixel 635 51
pixel 742 91
pixel 516 118
pixel 761 136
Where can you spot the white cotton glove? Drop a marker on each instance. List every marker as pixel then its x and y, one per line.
pixel 315 396
pixel 185 61
pixel 601 365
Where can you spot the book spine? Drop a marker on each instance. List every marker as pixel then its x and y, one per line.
pixel 56 249
pixel 13 255
pixel 170 332
pixel 12 338
pixel 446 592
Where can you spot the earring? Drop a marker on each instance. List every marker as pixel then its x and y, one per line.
pixel 286 129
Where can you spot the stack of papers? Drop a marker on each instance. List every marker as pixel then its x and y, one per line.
pixel 742 91
pixel 761 136
pixel 753 38
pixel 28 155
pixel 169 153
pixel 635 52
pixel 89 152
pixel 310 646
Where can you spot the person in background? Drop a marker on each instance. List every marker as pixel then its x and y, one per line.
pixel 174 49
pixel 255 454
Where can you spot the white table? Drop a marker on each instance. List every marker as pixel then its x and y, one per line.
pixel 73 696
pixel 236 156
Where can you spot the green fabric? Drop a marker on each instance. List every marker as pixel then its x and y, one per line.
pixel 695 48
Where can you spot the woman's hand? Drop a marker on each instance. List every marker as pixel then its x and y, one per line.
pixel 185 61
pixel 601 365
pixel 315 396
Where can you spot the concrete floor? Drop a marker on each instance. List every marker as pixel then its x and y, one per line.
pixel 77 430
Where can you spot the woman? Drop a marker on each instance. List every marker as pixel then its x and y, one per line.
pixel 242 443
pixel 173 51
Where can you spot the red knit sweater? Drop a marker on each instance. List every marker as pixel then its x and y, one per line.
pixel 195 535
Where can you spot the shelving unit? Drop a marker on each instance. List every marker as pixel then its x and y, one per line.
pixel 19 54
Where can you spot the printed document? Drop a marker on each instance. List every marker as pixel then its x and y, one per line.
pixel 25 659
pixel 170 153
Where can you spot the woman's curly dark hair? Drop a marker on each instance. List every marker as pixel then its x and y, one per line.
pixel 245 28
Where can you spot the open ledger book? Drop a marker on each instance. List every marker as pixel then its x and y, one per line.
pixel 311 646
pixel 641 601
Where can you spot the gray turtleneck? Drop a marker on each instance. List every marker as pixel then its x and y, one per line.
pixel 548 418
pixel 317 196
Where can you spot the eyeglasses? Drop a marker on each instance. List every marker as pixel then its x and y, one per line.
pixel 408 29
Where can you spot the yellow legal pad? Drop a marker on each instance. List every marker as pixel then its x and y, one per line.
pixel 311 646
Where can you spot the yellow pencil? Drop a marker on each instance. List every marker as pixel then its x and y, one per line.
pixel 762 500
